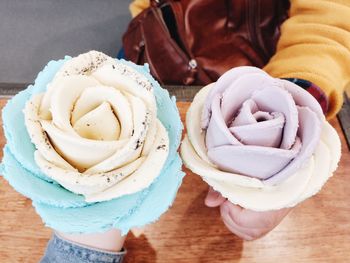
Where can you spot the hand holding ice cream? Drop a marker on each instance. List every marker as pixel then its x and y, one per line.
pixel 245 223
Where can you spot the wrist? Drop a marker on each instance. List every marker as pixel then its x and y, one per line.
pixel 109 241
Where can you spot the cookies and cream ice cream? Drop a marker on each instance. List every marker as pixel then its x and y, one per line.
pixel 262 142
pixel 96 128
pixel 93 143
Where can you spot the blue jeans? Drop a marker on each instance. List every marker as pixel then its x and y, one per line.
pixel 62 251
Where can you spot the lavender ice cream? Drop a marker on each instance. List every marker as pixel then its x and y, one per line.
pixel 262 142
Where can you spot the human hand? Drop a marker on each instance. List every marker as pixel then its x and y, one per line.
pixel 247 224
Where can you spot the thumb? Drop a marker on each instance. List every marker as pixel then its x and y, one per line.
pixel 214 198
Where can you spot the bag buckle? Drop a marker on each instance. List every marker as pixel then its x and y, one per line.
pixel 192 64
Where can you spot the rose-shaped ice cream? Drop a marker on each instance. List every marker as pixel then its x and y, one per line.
pixel 94 144
pixel 262 142
pixel 96 129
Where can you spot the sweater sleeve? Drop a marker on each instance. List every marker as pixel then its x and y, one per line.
pixel 315 46
pixel 137 6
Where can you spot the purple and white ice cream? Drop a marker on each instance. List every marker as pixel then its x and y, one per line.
pixel 262 142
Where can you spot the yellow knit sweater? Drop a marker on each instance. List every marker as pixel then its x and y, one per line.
pixel 314 45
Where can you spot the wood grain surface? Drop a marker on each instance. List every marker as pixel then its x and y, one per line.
pixel 318 230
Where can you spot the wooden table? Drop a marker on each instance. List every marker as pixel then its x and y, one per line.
pixel 318 230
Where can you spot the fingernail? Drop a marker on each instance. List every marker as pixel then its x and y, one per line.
pixel 211 197
pixel 215 195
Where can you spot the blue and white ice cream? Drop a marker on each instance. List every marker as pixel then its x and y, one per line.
pixel 93 131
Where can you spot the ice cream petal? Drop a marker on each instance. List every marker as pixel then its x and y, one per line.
pixel 80 183
pixel 65 92
pixel 203 168
pixel 327 156
pixel 91 97
pixel 309 132
pixel 132 149
pixel 267 161
pixel 266 133
pixel 223 83
pixel 302 97
pixel 84 64
pixel 246 114
pixel 320 174
pixel 30 185
pixel 44 108
pixel 276 99
pixel 240 91
pixel 193 123
pixel 267 198
pixel 217 133
pixel 99 124
pixel 144 175
pixel 330 137
pixel 80 152
pixel 150 137
pixel 38 135
pixel 134 83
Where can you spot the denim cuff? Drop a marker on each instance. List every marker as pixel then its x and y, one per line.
pixel 60 250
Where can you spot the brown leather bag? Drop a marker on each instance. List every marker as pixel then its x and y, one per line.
pixel 193 42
